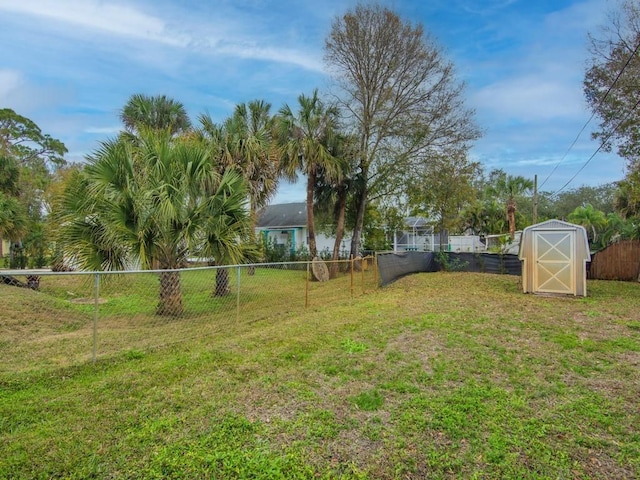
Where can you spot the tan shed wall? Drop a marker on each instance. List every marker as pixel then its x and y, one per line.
pixel 580 255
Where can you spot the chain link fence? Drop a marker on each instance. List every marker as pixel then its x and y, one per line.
pixel 69 318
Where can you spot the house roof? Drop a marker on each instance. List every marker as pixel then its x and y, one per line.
pixel 289 215
pixel 415 222
pixel 284 215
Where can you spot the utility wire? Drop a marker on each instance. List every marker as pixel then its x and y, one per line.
pixel 633 54
pixel 609 135
pixel 571 146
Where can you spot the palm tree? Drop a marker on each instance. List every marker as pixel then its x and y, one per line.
pixel 228 226
pixel 331 192
pixel 245 143
pixel 304 137
pixel 253 150
pixel 150 203
pixel 509 188
pixel 615 229
pixel 484 217
pixel 155 112
pixel 589 218
pixel 627 196
pixel 13 218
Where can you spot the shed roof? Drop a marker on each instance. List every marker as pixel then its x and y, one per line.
pixel 581 232
pixel 552 224
pixel 283 215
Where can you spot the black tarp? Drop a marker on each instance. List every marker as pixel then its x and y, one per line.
pixel 507 264
pixel 392 266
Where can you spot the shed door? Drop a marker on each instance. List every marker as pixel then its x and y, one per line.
pixel 554 255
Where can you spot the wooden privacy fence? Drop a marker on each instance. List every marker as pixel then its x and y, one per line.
pixel 619 261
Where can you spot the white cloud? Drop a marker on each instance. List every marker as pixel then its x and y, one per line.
pixel 103 130
pixel 280 55
pixel 546 161
pixel 220 35
pixel 541 79
pixel 530 98
pixel 487 7
pixel 580 16
pixel 25 97
pixel 10 80
pixel 110 18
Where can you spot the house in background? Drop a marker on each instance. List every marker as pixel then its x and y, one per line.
pixel 5 245
pixel 285 226
pixel 465 243
pixel 502 243
pixel 419 235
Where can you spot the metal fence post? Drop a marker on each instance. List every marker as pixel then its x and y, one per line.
pixel 306 287
pixel 375 271
pixel 238 295
pixel 96 297
pixel 352 267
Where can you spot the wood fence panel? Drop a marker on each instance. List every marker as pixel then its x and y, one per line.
pixel 619 261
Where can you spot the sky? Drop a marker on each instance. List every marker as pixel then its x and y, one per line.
pixel 70 66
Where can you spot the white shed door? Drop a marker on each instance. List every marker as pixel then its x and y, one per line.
pixel 554 270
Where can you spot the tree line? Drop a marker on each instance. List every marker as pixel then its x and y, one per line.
pixel 392 140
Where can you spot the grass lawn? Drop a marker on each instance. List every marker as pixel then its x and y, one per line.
pixel 54 327
pixel 441 375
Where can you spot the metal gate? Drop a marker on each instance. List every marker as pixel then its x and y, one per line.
pixel 554 253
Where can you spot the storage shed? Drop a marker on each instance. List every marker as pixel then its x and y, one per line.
pixel 554 257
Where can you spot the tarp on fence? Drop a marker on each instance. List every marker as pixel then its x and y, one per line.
pixel 392 266
pixel 506 263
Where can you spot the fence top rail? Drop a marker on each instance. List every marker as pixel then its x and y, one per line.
pixel 44 272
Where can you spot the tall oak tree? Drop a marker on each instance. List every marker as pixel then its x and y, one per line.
pixel 401 99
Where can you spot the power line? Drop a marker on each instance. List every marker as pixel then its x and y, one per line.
pixel 633 54
pixel 609 135
pixel 570 147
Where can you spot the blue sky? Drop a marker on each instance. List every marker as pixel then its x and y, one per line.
pixel 70 65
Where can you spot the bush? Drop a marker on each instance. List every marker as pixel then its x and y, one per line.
pixel 450 265
pixel 277 252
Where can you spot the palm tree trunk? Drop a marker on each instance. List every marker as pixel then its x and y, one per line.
pixel 222 282
pixel 311 183
pixel 342 206
pixel 252 234
pixel 511 217
pixel 170 303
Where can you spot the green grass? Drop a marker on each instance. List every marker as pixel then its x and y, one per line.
pixel 447 375
pixel 126 317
